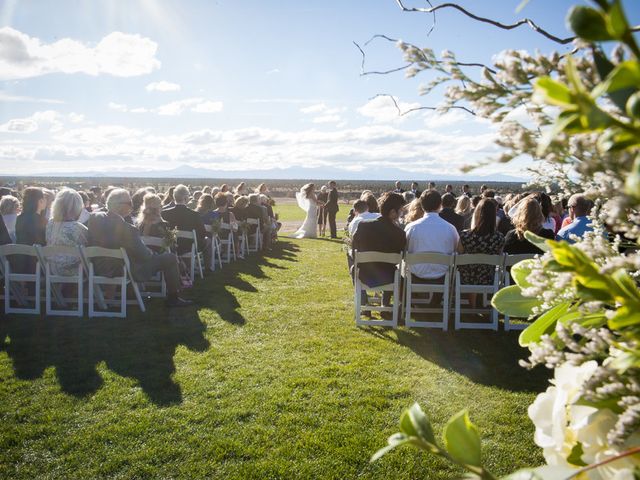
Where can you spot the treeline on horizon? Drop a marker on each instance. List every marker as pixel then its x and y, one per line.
pixel 277 187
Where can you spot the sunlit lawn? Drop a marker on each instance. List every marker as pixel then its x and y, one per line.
pixel 267 378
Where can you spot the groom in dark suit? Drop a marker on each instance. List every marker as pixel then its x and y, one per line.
pixel 332 208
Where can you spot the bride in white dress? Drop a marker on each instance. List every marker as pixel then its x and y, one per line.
pixel 308 202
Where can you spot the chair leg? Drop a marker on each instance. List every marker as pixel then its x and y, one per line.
pixel 457 307
pixel 123 298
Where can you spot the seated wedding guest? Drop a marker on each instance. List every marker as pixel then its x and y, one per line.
pixel 481 238
pixel 547 209
pixel 448 212
pixel 488 193
pixel 49 196
pixel 167 200
pixel 464 209
pixel 399 188
pixel 528 218
pixel 414 211
pixel 222 209
pixel 239 209
pixel 372 203
pixel 86 210
pixel 431 233
pixel 242 189
pixel 361 209
pixel 193 203
pixel 97 196
pixel 579 209
pixel 254 210
pixel 9 210
pixel 381 235
pixel 262 189
pixel 215 191
pixel 182 218
pixel 558 212
pixel 109 230
pixel 137 199
pixel 475 200
pixel 150 222
pixel 31 226
pixel 206 208
pixel 65 229
pixel 207 189
pixel 224 188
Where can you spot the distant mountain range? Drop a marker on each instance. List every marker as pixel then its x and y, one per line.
pixel 380 174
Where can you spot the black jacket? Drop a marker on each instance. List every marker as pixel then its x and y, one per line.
pixel 332 202
pixel 5 238
pixel 450 215
pixel 183 218
pixel 380 235
pixel 109 230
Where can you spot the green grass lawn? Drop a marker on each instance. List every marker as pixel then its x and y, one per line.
pixel 267 378
pixel 291 212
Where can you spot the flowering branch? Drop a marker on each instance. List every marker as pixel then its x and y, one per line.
pixel 628 453
pixel 401 113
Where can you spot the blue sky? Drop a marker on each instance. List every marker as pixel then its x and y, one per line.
pixel 239 86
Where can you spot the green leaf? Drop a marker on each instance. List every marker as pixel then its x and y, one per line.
pixel 588 24
pixel 415 423
pixel 510 301
pixel 610 403
pixel 625 361
pixel 591 320
pixel 553 92
pixel 617 24
pixel 632 184
pixel 539 242
pixel 604 67
pixel 625 75
pixel 575 456
pixel 394 441
pixel 564 121
pixel 462 440
pixel 624 317
pixel 520 271
pixel 616 139
pixel 544 324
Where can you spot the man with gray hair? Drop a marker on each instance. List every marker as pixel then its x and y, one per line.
pixel 109 230
pixel 579 207
pixel 183 218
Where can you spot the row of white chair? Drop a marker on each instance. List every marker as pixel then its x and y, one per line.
pixel 223 246
pixel 403 291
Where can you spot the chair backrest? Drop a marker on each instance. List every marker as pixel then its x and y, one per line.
pixel 188 235
pixel 378 257
pixel 18 249
pixel 479 259
pixel 152 241
pixel 253 221
pixel 101 252
pixel 429 257
pixel 511 260
pixel 225 226
pixel 53 250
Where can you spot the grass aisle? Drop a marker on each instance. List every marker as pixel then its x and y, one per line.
pixel 269 378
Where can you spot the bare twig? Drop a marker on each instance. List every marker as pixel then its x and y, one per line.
pixel 402 114
pixel 504 26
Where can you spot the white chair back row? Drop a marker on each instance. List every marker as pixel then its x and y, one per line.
pixel 22 288
pixel 451 283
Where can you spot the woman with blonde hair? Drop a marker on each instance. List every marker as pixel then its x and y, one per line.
pixel 149 221
pixel 64 229
pixel 464 208
pixel 528 218
pixel 414 212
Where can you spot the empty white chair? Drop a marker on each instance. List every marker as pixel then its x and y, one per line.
pixel 53 281
pixel 254 240
pixel 193 257
pixel 227 240
pixel 216 253
pixel 15 283
pixel 510 261
pixel 156 286
pixel 378 257
pixel 89 254
pixel 431 288
pixel 495 261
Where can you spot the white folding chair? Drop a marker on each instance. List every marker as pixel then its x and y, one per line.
pixel 378 257
pixel 194 257
pixel 431 288
pixel 97 281
pixel 495 261
pixel 14 283
pixel 510 261
pixel 255 238
pixel 53 281
pixel 156 287
pixel 216 253
pixel 228 242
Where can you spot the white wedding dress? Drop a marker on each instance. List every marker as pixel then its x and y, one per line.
pixel 309 228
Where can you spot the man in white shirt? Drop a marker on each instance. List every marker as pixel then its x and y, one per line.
pixel 431 233
pixel 362 215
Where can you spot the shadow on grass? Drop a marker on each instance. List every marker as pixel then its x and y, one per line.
pixel 486 357
pixel 141 346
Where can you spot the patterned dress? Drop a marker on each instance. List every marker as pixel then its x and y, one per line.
pixel 65 233
pixel 473 243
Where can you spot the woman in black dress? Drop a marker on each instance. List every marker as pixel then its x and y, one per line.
pixel 528 218
pixel 31 226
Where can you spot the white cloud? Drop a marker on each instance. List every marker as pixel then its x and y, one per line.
pixel 325 114
pixel 273 71
pixel 47 119
pixel 327 119
pixel 118 54
pixel 382 109
pixel 196 105
pixel 7 97
pixel 162 86
pixel 317 108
